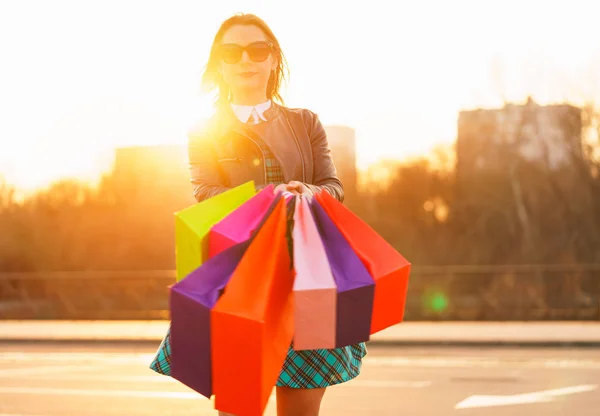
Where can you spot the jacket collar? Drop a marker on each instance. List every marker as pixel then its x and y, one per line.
pixel 224 120
pixel 245 112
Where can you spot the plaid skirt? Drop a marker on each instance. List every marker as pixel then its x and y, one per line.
pixel 309 369
pixel 304 369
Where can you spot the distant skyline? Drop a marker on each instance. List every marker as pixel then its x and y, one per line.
pixel 80 78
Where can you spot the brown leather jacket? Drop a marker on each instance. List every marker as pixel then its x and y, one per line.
pixel 223 155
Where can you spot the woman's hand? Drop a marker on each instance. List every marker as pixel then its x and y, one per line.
pixel 295 187
pixel 298 188
pixel 280 188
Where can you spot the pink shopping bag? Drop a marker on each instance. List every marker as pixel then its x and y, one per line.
pixel 239 225
pixel 314 289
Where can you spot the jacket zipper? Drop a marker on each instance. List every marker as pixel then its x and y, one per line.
pixel 299 148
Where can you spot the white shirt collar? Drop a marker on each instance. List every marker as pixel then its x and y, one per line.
pixel 244 112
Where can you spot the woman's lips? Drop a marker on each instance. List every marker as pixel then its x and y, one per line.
pixel 247 74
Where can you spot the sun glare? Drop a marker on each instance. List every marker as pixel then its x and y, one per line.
pixel 81 143
pixel 136 85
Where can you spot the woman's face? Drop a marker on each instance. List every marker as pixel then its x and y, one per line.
pixel 246 59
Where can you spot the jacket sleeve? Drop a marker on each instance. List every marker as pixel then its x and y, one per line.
pixel 325 173
pixel 204 171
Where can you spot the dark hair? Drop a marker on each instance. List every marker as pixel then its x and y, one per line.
pixel 211 79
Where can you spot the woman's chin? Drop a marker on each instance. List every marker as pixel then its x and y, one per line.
pixel 249 83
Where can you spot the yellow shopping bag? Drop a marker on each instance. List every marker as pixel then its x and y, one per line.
pixel 193 224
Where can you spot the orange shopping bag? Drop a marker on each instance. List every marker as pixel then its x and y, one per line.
pixel 252 322
pixel 388 268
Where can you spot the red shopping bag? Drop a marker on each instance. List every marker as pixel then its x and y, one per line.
pixel 239 225
pixel 315 293
pixel 252 322
pixel 354 285
pixel 388 268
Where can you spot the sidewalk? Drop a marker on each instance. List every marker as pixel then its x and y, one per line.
pixel 408 333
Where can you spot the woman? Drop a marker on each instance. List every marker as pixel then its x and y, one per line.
pixel 251 137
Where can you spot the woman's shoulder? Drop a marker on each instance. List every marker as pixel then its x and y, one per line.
pixel 205 128
pixel 302 111
pixel 307 116
pixel 199 133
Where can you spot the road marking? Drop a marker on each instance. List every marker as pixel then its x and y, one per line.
pixel 526 398
pixel 165 379
pixel 478 362
pixel 112 393
pixel 112 358
pixel 17 414
pixel 32 371
pixel 389 384
pixel 145 359
pixel 158 378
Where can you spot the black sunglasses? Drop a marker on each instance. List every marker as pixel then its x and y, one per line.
pixel 231 53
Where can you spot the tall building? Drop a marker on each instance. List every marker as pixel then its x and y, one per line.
pixel 342 141
pixel 546 134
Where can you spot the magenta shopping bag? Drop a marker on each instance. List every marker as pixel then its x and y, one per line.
pixel 239 225
pixel 315 294
pixel 355 286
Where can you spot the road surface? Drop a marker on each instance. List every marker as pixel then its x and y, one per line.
pixel 54 379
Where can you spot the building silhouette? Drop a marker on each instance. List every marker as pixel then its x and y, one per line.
pixel 548 135
pixel 342 141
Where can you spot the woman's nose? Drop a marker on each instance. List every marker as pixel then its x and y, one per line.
pixel 245 57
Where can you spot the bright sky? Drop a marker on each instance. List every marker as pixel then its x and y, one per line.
pixel 78 78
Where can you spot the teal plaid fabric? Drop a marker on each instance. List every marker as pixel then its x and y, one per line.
pixel 162 361
pixel 321 368
pixel 274 172
pixel 301 369
pixel 273 169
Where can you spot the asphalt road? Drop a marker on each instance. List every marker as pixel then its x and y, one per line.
pixel 66 379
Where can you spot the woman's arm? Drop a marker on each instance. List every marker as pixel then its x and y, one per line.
pixel 204 171
pixel 325 173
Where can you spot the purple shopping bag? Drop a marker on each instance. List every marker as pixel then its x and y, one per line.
pixel 191 300
pixel 239 225
pixel 355 286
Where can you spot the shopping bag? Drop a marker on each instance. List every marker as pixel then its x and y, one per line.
pixel 388 268
pixel 191 300
pixel 355 287
pixel 252 323
pixel 193 224
pixel 199 367
pixel 239 224
pixel 315 294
